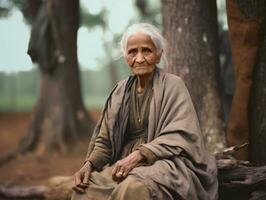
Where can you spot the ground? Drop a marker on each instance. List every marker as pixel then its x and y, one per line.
pixel 32 169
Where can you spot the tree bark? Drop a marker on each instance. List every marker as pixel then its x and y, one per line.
pixel 59 118
pixel 257 108
pixel 191 30
pixel 240 181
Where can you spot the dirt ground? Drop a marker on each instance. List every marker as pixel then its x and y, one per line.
pixel 31 169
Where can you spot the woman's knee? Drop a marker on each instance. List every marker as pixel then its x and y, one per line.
pixel 78 196
pixel 131 188
pixel 132 184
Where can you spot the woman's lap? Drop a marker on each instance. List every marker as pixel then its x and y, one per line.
pixel 103 187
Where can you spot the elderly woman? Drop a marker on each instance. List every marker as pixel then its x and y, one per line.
pixel 147 143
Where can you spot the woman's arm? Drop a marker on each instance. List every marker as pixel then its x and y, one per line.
pixel 162 147
pixel 101 153
pixel 149 156
pixel 99 157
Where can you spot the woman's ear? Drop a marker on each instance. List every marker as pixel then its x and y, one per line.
pixel 159 55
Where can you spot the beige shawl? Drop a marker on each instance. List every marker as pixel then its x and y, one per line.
pixel 184 169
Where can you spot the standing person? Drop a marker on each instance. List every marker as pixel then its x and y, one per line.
pixel 244 34
pixel 147 143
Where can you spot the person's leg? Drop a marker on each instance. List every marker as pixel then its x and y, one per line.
pixel 130 189
pixel 244 37
pixel 79 196
pixel 100 187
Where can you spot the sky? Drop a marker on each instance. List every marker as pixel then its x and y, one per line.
pixel 13 43
pixel 15 35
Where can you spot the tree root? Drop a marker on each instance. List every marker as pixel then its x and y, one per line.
pixel 8 157
pixel 59 187
pixel 29 192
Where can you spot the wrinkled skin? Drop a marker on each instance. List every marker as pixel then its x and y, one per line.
pixel 82 177
pixel 124 166
pixel 141 56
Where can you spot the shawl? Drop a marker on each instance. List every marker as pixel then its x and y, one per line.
pixel 184 168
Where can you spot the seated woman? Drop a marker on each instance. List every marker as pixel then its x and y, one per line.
pixel 147 143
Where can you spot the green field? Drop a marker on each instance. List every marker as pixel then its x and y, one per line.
pixel 26 103
pixel 18 104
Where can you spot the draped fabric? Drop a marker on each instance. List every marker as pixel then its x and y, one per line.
pixel 183 168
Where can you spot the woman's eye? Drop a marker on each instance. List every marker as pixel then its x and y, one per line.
pixel 147 50
pixel 132 51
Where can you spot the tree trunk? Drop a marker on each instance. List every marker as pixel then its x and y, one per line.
pixel 113 73
pixel 142 7
pixel 257 108
pixel 191 30
pixel 111 65
pixel 59 118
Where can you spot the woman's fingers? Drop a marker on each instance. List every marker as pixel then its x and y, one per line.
pixel 115 170
pixel 114 173
pixel 82 177
pixel 79 185
pixel 119 175
pixel 86 177
pixel 125 172
pixel 78 189
pixel 83 185
pixel 122 168
pixel 118 172
pixel 77 178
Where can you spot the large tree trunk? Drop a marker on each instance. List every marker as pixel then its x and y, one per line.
pixel 59 118
pixel 255 10
pixel 192 32
pixel 257 108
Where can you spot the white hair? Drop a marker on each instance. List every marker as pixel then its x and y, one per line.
pixel 150 30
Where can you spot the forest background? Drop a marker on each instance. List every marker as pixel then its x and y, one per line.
pixel 19 78
pixel 101 24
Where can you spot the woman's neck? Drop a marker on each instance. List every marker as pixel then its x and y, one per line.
pixel 143 82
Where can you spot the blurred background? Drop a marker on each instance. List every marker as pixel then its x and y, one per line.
pixel 101 26
pixel 48 107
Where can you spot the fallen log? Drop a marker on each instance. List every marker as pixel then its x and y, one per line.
pixel 58 188
pixel 239 179
pixel 13 192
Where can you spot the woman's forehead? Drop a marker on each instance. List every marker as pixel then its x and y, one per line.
pixel 139 39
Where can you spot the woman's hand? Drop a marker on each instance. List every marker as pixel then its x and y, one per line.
pixel 82 177
pixel 124 166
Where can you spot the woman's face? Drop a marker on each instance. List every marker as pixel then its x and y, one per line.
pixel 141 54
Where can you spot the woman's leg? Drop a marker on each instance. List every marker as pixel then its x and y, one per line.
pixel 100 187
pixel 130 189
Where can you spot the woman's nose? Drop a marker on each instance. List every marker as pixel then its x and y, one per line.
pixel 140 58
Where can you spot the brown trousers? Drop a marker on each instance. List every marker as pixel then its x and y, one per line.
pixel 244 37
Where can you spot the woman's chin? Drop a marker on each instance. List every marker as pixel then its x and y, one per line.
pixel 142 72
